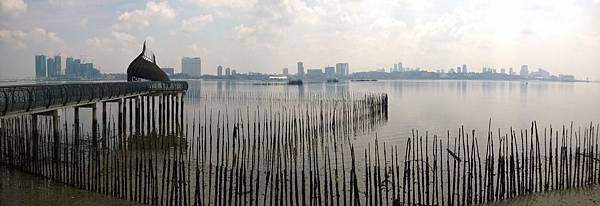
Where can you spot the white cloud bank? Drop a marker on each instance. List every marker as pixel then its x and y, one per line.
pixel 21 39
pixel 195 23
pixel 561 36
pixel 141 18
pixel 13 7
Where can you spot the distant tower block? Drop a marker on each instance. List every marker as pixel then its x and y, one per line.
pixel 191 66
pixel 300 69
pixel 220 70
pixel 285 71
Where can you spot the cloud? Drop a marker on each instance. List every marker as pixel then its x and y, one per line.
pixel 13 7
pixel 14 38
pixel 63 3
pixel 228 4
pixel 197 49
pixel 20 39
pixel 244 33
pixel 121 36
pixel 153 12
pixel 368 34
pixel 84 22
pixel 193 24
pixel 115 50
pixel 114 41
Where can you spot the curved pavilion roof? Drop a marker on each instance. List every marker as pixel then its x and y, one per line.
pixel 143 68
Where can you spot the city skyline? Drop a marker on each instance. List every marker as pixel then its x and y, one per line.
pixel 50 68
pixel 558 36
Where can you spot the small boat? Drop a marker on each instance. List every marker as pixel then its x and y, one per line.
pixel 295 82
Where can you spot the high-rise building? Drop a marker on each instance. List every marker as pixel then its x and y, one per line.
pixel 168 70
pixel 540 74
pixel 58 64
pixel 51 68
pixel 503 71
pixel 342 69
pixel 458 70
pixel 564 77
pixel 220 70
pixel 314 73
pixel 347 68
pixel 395 68
pixel 233 72
pixel 285 71
pixel 300 69
pixel 464 68
pixel 87 70
pixel 329 71
pixel 70 67
pixel 227 71
pixel 524 71
pixel 77 67
pixel 40 66
pixel 191 66
pixel 400 68
pixel 339 69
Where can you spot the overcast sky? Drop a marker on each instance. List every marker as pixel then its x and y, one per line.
pixel 561 36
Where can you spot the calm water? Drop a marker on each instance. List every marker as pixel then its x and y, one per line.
pixel 438 106
pixel 434 106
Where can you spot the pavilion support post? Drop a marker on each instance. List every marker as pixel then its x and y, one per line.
pixel 163 122
pixel 76 124
pixel 161 114
pixel 181 113
pixel 168 111
pixel 104 128
pixel 173 112
pixel 143 114
pixel 131 125
pixel 176 114
pixel 121 109
pixel 150 111
pixel 35 138
pixel 56 138
pixel 94 126
pixel 137 102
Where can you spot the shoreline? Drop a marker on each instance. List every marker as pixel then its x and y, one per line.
pixel 19 188
pixel 569 197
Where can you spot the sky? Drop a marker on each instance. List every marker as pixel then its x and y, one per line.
pixel 560 36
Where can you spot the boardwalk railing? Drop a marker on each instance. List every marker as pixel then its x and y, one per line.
pixel 39 97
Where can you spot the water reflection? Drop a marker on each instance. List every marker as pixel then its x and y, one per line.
pixel 436 106
pixel 301 90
